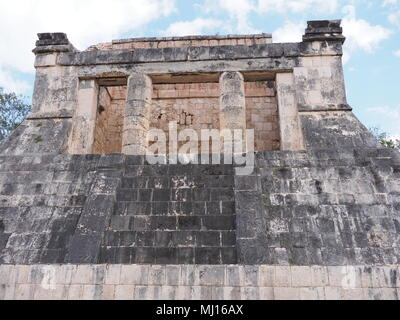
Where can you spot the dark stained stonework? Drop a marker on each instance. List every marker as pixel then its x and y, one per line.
pixel 115 209
pixel 321 207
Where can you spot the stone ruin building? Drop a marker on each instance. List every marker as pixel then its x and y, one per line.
pixel 83 215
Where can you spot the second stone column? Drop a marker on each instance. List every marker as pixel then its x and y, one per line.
pixel 137 114
pixel 233 103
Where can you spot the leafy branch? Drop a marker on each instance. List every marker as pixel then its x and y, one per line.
pixel 13 111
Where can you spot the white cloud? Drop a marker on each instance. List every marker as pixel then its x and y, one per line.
pixel 388 118
pixel 290 32
pixel 10 84
pixel 238 11
pixel 298 6
pixel 394 18
pixel 85 22
pixel 389 2
pixel 195 27
pixel 397 53
pixel 390 113
pixel 360 34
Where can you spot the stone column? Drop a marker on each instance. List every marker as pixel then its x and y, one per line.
pixel 289 122
pixel 319 77
pixel 137 115
pixel 84 121
pixel 232 102
pixel 55 85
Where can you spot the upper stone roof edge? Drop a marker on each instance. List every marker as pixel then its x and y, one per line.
pixel 198 37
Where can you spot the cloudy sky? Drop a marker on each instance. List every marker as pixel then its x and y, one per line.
pixel 372 28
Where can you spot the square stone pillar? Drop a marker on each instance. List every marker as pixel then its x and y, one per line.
pixel 55 85
pixel 84 121
pixel 232 102
pixel 289 122
pixel 137 114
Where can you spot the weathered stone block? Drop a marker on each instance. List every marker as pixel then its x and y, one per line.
pixel 209 275
pixel 285 293
pixel 124 292
pixel 134 275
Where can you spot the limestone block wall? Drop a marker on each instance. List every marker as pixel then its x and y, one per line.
pixel 55 87
pixel 156 282
pixel 262 114
pixel 190 105
pixel 110 120
pixel 102 116
pixel 320 83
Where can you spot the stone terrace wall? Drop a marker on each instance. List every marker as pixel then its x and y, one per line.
pixel 155 282
pixel 298 208
pixel 327 207
pixel 114 208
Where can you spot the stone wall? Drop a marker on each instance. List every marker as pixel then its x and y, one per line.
pixel 330 197
pixel 114 209
pixel 327 207
pixel 191 105
pixel 323 207
pixel 155 282
pixel 262 114
pixel 172 214
pixel 110 120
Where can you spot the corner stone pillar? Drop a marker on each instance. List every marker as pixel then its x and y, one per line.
pixel 84 122
pixel 55 86
pixel 232 102
pixel 137 115
pixel 290 128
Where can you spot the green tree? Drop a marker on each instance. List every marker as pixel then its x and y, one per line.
pixel 384 140
pixel 13 111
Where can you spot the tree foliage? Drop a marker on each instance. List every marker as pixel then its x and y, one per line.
pixel 13 110
pixel 384 139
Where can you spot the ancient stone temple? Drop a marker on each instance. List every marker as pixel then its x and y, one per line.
pixel 84 215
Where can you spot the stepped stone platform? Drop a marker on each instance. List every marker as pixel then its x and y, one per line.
pixel 299 208
pixel 84 215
